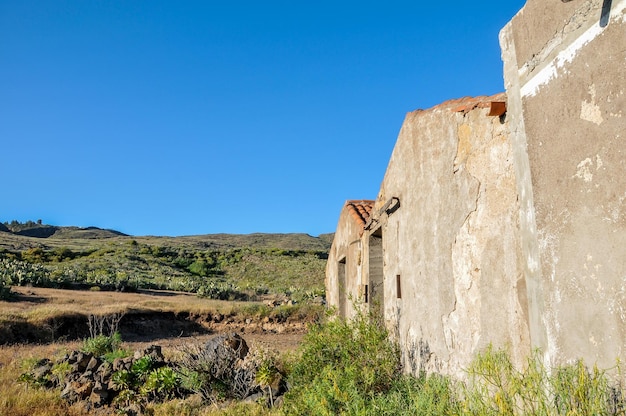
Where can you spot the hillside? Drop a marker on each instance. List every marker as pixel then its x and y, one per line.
pixel 62 236
pixel 223 266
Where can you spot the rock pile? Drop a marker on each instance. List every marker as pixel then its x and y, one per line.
pixel 85 377
pixel 129 383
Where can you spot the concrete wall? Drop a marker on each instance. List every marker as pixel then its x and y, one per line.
pixel 447 217
pixel 565 74
pixel 509 230
pixel 454 239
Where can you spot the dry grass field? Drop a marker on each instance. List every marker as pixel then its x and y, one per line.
pixel 45 311
pixel 41 308
pixel 45 302
pixel 38 321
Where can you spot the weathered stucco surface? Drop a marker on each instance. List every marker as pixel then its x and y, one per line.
pixel 456 237
pixel 506 229
pixel 451 241
pixel 565 69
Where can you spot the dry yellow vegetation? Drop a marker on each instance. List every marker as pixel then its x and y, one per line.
pixel 38 306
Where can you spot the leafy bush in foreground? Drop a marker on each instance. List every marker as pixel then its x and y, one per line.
pixel 351 368
pixel 343 366
pixel 495 387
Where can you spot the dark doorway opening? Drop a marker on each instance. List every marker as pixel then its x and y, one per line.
pixel 376 276
pixel 343 293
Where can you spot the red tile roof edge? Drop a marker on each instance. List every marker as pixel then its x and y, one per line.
pixel 466 104
pixel 360 210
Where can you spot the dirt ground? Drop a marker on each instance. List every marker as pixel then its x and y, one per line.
pixel 277 342
pixel 148 308
pixel 32 299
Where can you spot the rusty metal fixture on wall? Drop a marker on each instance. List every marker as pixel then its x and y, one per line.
pixel 389 208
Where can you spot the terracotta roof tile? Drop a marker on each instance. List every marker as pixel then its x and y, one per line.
pixel 496 103
pixel 360 210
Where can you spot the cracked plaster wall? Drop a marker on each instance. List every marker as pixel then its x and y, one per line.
pixel 565 74
pixel 453 241
pixel 513 232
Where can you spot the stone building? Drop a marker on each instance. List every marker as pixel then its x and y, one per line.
pixel 505 227
pixel 565 76
pixel 440 239
pixel 344 284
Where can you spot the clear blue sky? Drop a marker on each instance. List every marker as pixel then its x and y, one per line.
pixel 197 117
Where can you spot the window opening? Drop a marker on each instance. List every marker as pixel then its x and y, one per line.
pixel 398 287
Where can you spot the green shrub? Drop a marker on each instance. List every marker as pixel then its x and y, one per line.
pixel 342 367
pixel 425 395
pixel 496 387
pixel 127 398
pixel 580 390
pixel 60 370
pixel 162 383
pixel 34 378
pixel 350 368
pixel 267 372
pixel 220 291
pixel 123 380
pixel 142 367
pixel 101 345
pixel 255 310
pixel 116 353
pixel 199 267
pixel 211 374
pixel 134 378
pixel 143 382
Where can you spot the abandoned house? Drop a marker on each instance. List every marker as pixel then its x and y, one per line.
pixel 500 219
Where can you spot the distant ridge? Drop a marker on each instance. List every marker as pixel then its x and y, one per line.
pixel 30 234
pixel 39 230
pixel 216 266
pixel 289 241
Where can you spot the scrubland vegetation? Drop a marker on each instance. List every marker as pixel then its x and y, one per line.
pixel 340 368
pixel 352 368
pixel 216 267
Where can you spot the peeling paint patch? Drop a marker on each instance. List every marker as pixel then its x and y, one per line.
pixel 589 110
pixel 543 77
pixel 583 170
pixel 567 55
pixel 464 146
